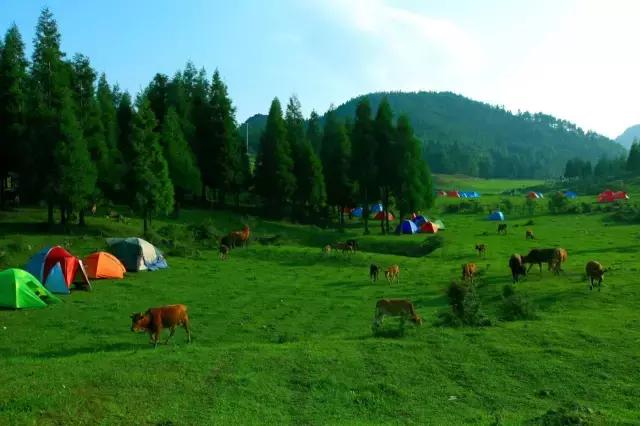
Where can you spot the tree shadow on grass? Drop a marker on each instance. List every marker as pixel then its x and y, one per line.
pixel 72 351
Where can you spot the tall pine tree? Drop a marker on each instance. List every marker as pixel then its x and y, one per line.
pixel 633 161
pixel 49 81
pixel 310 194
pixel 183 170
pixel 335 154
pixel 414 189
pixel 107 108
pixel 386 156
pixel 75 174
pixel 364 166
pixel 314 131
pixel 13 114
pixel 150 174
pixel 274 180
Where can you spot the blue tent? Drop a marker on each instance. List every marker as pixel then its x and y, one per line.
pixel 357 212
pixel 419 220
pixel 473 194
pixel 376 208
pixel 36 264
pixel 406 227
pixel 496 216
pixel 55 282
pixel 570 194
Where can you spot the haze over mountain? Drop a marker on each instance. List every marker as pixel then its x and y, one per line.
pixel 628 136
pixel 465 136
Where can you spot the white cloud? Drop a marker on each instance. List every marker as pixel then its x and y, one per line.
pixel 408 44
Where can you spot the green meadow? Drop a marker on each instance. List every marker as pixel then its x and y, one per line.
pixel 282 334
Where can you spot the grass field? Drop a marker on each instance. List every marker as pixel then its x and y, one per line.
pixel 484 186
pixel 282 334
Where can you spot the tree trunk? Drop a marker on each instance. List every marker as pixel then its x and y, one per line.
pixel 81 221
pixel 341 216
pixel 203 195
pixel 49 212
pixel 63 215
pixel 365 212
pixel 145 222
pixel 2 179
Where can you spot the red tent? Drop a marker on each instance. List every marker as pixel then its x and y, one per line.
pixel 380 216
pixel 609 196
pixel 453 194
pixel 71 265
pixel 533 195
pixel 429 228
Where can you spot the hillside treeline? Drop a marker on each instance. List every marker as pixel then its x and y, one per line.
pixel 75 140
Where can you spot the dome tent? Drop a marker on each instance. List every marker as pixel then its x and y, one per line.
pixel 496 216
pixel 380 216
pixel 137 254
pixel 420 220
pixel 429 228
pixel 44 262
pixel 376 208
pixel 439 224
pixel 104 265
pixel 406 227
pixel 19 290
pixel 357 212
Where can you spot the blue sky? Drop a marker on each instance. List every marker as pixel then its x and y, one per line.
pixel 576 59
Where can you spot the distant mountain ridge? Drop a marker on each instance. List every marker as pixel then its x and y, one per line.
pixel 477 139
pixel 629 135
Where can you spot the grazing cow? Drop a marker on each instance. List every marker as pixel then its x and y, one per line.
pixel 373 272
pixel 239 238
pixel 345 247
pixel 559 257
pixel 517 267
pixel 227 241
pixel 224 252
pixel 529 235
pixel 595 272
pixel 326 249
pixel 539 256
pixel 481 249
pixel 354 244
pixel 502 228
pixel 392 273
pixel 155 319
pixel 469 271
pixel 395 308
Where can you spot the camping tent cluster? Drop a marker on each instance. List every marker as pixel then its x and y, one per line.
pixel 610 196
pixel 535 195
pixel 458 194
pixel 419 223
pixel 54 270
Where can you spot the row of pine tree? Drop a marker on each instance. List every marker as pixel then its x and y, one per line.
pixel 75 140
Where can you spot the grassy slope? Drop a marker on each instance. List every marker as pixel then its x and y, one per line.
pixel 282 334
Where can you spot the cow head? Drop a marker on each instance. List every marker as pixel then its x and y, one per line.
pixel 140 321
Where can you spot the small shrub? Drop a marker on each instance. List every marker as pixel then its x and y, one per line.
pixel 529 223
pixel 17 245
pixel 558 203
pixel 569 414
pixel 515 306
pixel 585 207
pixel 465 306
pixel 506 205
pixel 204 231
pixel 530 206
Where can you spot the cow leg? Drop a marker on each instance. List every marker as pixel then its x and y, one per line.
pixel 156 338
pixel 186 328
pixel 591 284
pixel 172 330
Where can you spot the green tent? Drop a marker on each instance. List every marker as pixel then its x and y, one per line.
pixel 19 289
pixel 439 224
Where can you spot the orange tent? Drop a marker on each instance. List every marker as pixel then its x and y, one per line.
pixel 380 216
pixel 104 265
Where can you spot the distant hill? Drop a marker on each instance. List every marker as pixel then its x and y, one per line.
pixel 477 139
pixel 256 124
pixel 629 135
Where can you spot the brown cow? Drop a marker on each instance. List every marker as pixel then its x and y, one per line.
pixel 345 247
pixel 469 271
pixel 481 249
pixel 529 235
pixel 395 308
pixel 392 274
pixel 155 319
pixel 539 256
pixel 224 252
pixel 559 257
pixel 516 266
pixel 595 272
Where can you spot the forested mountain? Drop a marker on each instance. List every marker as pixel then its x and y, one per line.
pixel 629 135
pixel 477 139
pixel 257 123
